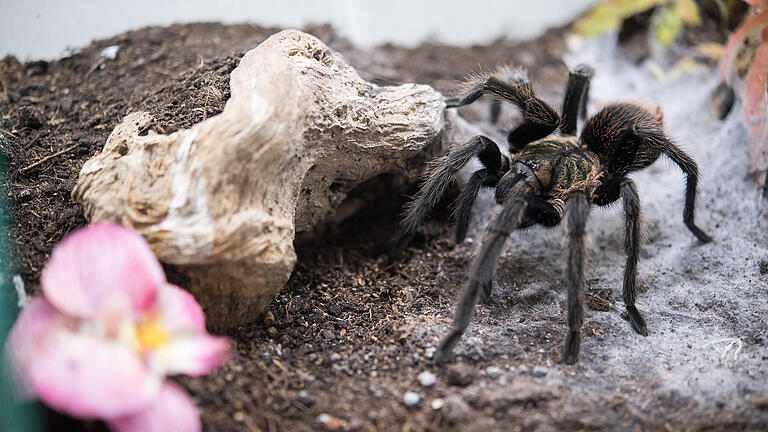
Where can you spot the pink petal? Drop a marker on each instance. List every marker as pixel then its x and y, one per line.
pixel 97 263
pixel 192 354
pixel 86 376
pixel 180 310
pixel 172 410
pixel 29 333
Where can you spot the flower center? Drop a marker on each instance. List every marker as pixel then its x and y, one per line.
pixel 151 334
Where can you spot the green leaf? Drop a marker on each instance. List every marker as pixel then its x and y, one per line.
pixel 634 7
pixel 688 11
pixel 667 25
pixel 604 17
pixel 609 14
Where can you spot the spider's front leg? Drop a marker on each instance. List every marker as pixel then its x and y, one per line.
pixel 539 119
pixel 607 193
pixel 517 212
pixel 577 211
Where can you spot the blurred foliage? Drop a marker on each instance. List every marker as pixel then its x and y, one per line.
pixel 725 7
pixel 669 17
pixel 14 416
pixel 752 57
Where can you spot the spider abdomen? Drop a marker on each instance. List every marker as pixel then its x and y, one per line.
pixel 613 135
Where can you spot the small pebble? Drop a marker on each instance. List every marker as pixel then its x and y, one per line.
pixel 356 424
pixel 427 379
pixel 459 375
pixel 24 194
pixel 269 319
pixel 110 52
pixel 335 310
pixel 493 372
pixel 305 399
pixel 429 352
pixel 329 422
pixel 455 409
pixel 540 371
pixel 411 399
pixel 239 416
pixel 437 403
pixel 335 357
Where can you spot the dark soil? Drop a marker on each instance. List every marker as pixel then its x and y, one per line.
pixel 344 341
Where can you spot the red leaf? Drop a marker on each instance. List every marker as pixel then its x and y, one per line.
pixel 755 105
pixel 735 40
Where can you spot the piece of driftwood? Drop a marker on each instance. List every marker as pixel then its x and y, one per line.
pixel 223 200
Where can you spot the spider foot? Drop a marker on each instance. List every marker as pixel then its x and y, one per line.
pixel 442 354
pixel 572 345
pixel 701 235
pixel 443 351
pixel 636 320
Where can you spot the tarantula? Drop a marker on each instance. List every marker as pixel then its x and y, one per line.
pixel 551 177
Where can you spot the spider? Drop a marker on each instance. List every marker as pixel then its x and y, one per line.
pixel 551 177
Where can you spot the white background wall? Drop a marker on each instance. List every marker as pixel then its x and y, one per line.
pixel 32 29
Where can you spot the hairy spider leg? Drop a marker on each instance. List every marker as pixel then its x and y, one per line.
pixel 440 177
pixel 584 104
pixel 466 199
pixel 577 211
pixel 691 171
pixel 515 211
pixel 495 110
pixel 481 273
pixel 539 119
pixel 607 193
pixel 575 98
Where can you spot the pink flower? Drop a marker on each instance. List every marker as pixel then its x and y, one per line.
pixel 108 331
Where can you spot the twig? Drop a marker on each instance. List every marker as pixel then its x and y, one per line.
pixel 47 158
pixel 325 313
pixel 94 67
pixel 7 132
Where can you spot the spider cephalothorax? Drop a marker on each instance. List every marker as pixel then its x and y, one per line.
pixel 549 178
